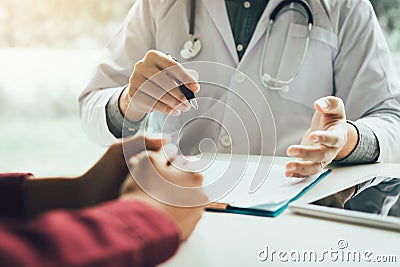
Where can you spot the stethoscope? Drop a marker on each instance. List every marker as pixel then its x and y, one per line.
pixel 193 46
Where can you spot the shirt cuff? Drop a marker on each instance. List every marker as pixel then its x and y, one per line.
pixel 12 199
pixel 367 149
pixel 116 122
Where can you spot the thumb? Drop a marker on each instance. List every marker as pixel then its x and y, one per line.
pixel 154 144
pixel 135 145
pixel 331 106
pixel 194 74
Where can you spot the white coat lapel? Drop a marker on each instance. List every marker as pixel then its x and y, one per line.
pixel 219 15
pixel 259 32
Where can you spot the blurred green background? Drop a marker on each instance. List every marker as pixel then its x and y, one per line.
pixel 48 51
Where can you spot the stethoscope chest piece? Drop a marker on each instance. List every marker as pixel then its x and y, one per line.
pixel 191 49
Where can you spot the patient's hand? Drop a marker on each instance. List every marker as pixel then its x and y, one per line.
pixel 101 183
pixel 150 170
pixel 103 180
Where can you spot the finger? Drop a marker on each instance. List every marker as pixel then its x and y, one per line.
pixel 155 144
pixel 165 97
pixel 194 74
pixel 159 106
pixel 161 160
pixel 184 163
pixel 183 77
pixel 165 82
pixel 302 169
pixel 318 153
pixel 150 104
pixel 161 163
pixel 156 83
pixel 136 160
pixel 165 62
pixel 177 93
pixel 168 86
pixel 135 145
pixel 331 105
pixel 157 159
pixel 180 162
pixel 135 82
pixel 170 152
pixel 170 156
pixel 160 78
pixel 335 139
pixel 198 179
pixel 185 179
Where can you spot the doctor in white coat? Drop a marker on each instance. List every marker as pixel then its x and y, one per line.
pixel 343 105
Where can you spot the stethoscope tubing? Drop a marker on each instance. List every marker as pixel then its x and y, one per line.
pixel 275 84
pixel 266 79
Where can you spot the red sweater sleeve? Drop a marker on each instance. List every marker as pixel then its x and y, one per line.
pixel 118 233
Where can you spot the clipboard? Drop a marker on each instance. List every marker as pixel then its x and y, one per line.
pixel 258 210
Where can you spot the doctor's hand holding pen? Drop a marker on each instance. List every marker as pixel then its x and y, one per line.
pixel 329 138
pixel 155 85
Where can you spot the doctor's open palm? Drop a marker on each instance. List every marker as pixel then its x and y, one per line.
pixel 154 85
pixel 330 137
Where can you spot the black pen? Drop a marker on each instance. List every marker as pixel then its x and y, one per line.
pixel 189 96
pixel 186 91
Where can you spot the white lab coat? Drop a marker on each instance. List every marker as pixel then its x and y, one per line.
pixel 347 57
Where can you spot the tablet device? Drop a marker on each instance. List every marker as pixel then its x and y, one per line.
pixel 374 203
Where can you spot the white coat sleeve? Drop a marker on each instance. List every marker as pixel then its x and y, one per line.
pixel 131 43
pixel 365 77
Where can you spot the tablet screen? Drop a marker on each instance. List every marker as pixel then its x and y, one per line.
pixel 377 196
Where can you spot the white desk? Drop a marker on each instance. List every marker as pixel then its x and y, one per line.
pixel 222 239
